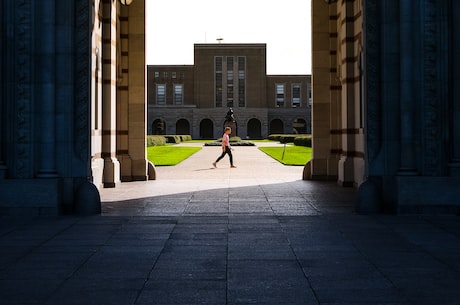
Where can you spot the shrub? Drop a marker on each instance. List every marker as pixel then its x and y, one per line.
pixel 219 143
pixel 155 140
pixel 185 137
pixel 274 137
pixel 287 138
pixel 303 141
pixel 235 139
pixel 232 139
pixel 174 139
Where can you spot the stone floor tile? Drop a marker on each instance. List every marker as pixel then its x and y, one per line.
pixel 183 292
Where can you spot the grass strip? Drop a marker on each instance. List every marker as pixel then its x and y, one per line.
pixel 169 155
pixel 293 155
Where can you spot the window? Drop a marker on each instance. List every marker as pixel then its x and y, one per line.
pixel 178 94
pixel 229 63
pixel 295 95
pixel 230 95
pixel 157 74
pixel 230 88
pixel 309 94
pixel 161 94
pixel 165 75
pixel 241 63
pixel 241 93
pixel 218 81
pixel 241 81
pixel 229 76
pixel 173 74
pixel 279 95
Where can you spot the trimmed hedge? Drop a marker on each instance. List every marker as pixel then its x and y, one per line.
pixel 303 141
pixel 176 139
pixel 153 140
pixel 232 139
pixel 159 140
pixel 185 137
pixel 219 143
pixel 299 140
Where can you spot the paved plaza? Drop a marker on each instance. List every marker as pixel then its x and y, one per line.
pixel 255 234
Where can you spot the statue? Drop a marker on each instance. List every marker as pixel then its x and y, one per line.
pixel 229 117
pixel 230 122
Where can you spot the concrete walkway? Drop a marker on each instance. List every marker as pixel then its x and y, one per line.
pixel 256 234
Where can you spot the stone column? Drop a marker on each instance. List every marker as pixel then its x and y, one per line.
pixel 407 102
pixel 455 125
pixel 322 165
pixel 47 130
pixel 136 102
pixel 111 174
pixel 2 90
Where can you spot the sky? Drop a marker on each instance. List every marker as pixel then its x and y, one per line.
pixel 173 27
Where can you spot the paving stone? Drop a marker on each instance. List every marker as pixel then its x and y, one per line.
pixel 77 291
pixel 183 292
pixel 230 237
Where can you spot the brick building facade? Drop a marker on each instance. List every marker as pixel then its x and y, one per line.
pixel 194 99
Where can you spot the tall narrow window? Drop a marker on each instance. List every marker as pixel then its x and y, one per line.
pixel 230 89
pixel 161 94
pixel 230 97
pixel 309 94
pixel 178 94
pixel 218 81
pixel 279 95
pixel 295 95
pixel 241 81
pixel 229 63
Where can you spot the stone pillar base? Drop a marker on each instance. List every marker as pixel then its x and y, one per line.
pixel 417 194
pixel 369 200
pixel 111 172
pixel 454 169
pixel 345 172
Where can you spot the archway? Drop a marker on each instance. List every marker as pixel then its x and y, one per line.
pixel 254 129
pixel 276 126
pixel 299 126
pixel 182 127
pixel 206 129
pixel 159 127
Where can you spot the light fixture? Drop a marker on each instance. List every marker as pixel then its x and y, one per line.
pixel 126 2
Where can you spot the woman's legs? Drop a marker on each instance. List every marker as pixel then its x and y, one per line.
pixel 227 151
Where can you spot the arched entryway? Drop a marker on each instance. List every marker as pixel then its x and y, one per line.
pixel 299 126
pixel 254 129
pixel 276 127
pixel 159 127
pixel 182 127
pixel 206 129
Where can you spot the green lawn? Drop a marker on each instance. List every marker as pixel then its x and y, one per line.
pixel 293 155
pixel 169 154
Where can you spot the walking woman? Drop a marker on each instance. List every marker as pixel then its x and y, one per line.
pixel 226 148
